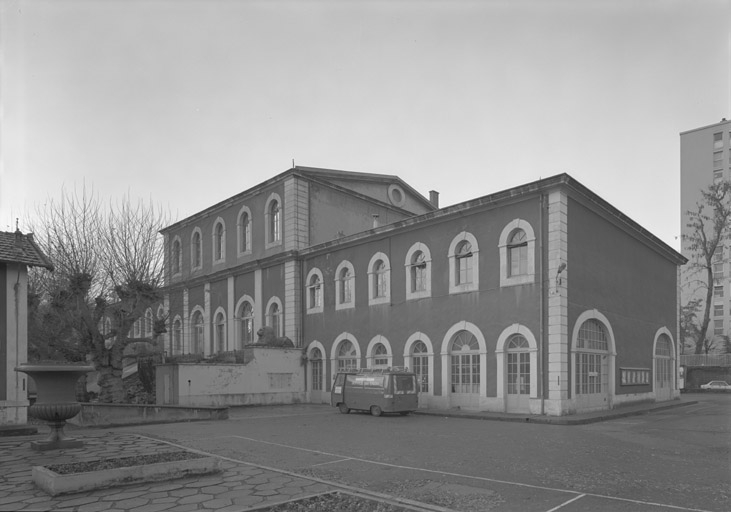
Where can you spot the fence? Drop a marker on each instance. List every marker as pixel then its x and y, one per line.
pixel 706 360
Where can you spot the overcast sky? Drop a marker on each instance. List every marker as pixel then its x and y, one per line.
pixel 188 102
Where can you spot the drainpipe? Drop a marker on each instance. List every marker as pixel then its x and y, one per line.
pixel 541 347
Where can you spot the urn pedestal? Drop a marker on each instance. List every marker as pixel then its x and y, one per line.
pixel 56 400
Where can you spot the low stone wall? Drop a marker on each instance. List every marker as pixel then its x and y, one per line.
pixel 107 415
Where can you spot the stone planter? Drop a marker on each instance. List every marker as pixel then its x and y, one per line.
pixel 54 483
pixel 56 401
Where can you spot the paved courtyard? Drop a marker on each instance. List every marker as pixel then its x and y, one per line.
pixel 669 459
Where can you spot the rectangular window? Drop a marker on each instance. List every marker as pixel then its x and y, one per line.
pixel 718 271
pixel 421 369
pixel 717 175
pixel 718 291
pixel 718 255
pixel 717 159
pixel 717 140
pixel 718 327
pixel 464 272
pixel 718 310
pixel 317 375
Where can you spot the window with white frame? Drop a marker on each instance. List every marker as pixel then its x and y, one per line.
pixel 344 286
pixel 196 250
pixel 663 362
pixel 219 241
pixel 517 253
pixel 176 256
pixel 465 363
pixel 273 214
pixel 246 324
pixel 138 328
pixel 317 368
pixel 518 355
pixel 418 272
pixel 274 318
pixel 197 341
pixel 379 278
pixel 380 356
pixel 314 291
pixel 177 336
pixel 464 269
pixel 592 346
pixel 219 332
pixel 148 322
pixel 420 365
pixel 244 231
pixel 347 356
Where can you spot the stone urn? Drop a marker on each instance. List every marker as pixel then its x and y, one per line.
pixel 56 400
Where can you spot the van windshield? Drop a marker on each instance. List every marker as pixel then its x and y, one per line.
pixel 404 383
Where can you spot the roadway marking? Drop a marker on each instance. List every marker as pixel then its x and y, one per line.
pixel 567 502
pixel 331 462
pixel 410 468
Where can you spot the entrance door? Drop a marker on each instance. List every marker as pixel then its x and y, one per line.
pixel 663 369
pixel 518 375
pixel 465 370
pixel 317 395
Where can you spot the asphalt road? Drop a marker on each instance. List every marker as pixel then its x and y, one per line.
pixel 676 459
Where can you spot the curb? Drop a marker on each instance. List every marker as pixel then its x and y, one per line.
pixel 552 420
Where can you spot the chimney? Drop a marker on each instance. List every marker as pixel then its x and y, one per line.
pixel 375 221
pixel 19 242
pixel 434 198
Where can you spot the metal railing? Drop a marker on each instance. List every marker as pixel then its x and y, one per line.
pixel 706 360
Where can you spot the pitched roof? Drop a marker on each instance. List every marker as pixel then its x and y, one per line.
pixel 19 248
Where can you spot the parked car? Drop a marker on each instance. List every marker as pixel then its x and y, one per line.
pixel 717 385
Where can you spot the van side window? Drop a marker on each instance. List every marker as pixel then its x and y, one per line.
pixel 350 379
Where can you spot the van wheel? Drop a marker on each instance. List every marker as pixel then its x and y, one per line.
pixel 375 410
pixel 343 408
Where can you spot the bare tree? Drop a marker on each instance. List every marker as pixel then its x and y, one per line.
pixel 109 264
pixel 709 227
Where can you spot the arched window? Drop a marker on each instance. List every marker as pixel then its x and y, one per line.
pixel 177 336
pixel 664 368
pixel 418 272
pixel 317 369
pixel 344 286
pixel 378 282
pixel 246 324
pixel 465 363
pixel 463 263
pixel 197 331
pixel 347 356
pixel 380 356
pixel 176 256
pixel 518 253
pixel 219 241
pixel 275 234
pixel 274 318
pixel 591 349
pixel 196 250
pixel 314 291
pixel 420 363
pixel 138 328
pixel 518 365
pixel 148 322
pixel 244 233
pixel 219 331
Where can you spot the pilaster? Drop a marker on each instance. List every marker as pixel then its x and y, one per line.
pixel 208 349
pixel 558 331
pixel 296 214
pixel 292 301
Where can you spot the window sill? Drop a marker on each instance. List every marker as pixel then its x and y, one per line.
pixel 344 305
pixel 379 300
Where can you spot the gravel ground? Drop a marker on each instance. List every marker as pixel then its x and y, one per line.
pixel 336 502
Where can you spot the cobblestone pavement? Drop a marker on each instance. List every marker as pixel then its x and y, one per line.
pixel 238 487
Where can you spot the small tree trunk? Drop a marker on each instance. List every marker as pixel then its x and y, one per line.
pixel 111 387
pixel 699 343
